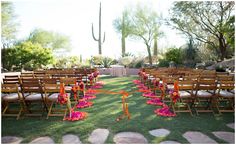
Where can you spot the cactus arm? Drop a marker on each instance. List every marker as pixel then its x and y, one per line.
pixel 93 34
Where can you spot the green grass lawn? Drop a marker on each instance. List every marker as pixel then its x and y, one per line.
pixel 107 108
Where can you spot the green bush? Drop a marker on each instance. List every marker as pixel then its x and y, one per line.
pixel 163 63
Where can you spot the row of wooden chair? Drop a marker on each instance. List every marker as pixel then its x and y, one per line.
pixel 202 91
pixel 28 92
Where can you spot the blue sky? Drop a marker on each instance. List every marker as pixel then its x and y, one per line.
pixel 74 18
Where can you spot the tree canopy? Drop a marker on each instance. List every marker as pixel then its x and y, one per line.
pixel 145 23
pixel 9 25
pixel 50 39
pixel 206 21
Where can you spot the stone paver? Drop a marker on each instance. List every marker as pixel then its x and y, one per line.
pixel 159 132
pixel 98 136
pixel 11 140
pixel 42 140
pixel 71 139
pixel 231 125
pixel 129 138
pixel 198 138
pixel 169 142
pixel 226 136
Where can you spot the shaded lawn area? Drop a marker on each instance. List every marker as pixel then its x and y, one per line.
pixel 107 108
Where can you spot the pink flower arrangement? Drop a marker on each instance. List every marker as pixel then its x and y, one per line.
pixel 89 97
pixel 62 98
pixel 96 73
pixel 90 77
pixel 155 83
pixel 174 94
pixel 90 91
pixel 155 101
pixel 144 90
pixel 149 95
pixel 76 115
pixel 136 82
pixel 165 111
pixel 83 104
pixel 100 83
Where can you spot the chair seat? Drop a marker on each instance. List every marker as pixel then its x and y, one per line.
pixel 226 94
pixel 11 97
pixel 34 97
pixel 53 97
pixel 184 94
pixel 3 95
pixel 68 88
pixel 202 93
pixel 170 87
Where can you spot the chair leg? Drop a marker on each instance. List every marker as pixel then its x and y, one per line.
pixel 50 110
pixel 5 109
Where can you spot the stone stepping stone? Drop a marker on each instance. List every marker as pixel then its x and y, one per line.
pixel 169 142
pixel 198 138
pixel 129 138
pixel 42 140
pixel 71 139
pixel 11 140
pixel 231 125
pixel 98 136
pixel 226 136
pixel 159 132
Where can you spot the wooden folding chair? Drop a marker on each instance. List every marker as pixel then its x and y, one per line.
pixel 205 96
pixel 51 92
pixel 10 96
pixel 33 95
pixel 186 97
pixel 225 96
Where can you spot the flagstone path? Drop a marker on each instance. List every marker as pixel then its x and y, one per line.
pixel 11 140
pixel 230 125
pixel 129 138
pixel 43 140
pixel 99 136
pixel 198 138
pixel 226 136
pixel 159 132
pixel 71 139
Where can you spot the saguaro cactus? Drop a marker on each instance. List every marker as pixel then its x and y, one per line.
pixel 99 35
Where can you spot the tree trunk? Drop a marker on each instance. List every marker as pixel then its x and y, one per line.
pixel 155 47
pixel 222 46
pixel 123 45
pixel 149 54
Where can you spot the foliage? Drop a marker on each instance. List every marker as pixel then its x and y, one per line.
pixel 8 24
pixel 163 63
pixel 145 23
pixel 28 56
pixel 174 54
pixel 126 61
pixel 8 58
pixel 206 21
pixel 107 62
pixel 49 39
pixel 103 60
pixel 67 62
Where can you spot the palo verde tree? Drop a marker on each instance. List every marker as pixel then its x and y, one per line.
pixel 145 22
pixel 206 21
pixel 123 26
pixel 50 39
pixel 8 23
